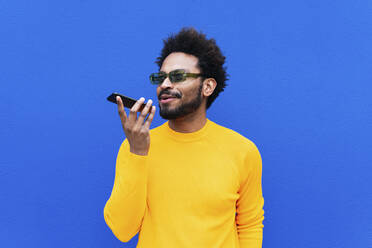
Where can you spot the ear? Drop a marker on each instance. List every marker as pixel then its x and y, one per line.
pixel 209 85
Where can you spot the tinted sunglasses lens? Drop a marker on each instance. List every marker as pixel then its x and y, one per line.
pixel 176 77
pixel 157 78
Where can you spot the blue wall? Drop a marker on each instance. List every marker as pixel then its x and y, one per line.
pixel 300 88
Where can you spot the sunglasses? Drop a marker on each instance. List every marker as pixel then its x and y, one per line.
pixel 175 76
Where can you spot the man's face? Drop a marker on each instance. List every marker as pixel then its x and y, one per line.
pixel 186 95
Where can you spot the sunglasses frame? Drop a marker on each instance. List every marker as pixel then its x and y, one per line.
pixel 170 75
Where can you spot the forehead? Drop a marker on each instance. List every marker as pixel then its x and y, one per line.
pixel 180 60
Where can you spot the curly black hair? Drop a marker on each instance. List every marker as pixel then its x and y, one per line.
pixel 210 57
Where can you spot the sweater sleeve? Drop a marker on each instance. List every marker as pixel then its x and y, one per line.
pixel 125 209
pixel 250 213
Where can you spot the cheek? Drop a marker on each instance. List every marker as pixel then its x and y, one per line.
pixel 157 91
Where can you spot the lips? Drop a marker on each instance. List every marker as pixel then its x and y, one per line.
pixel 166 100
pixel 165 96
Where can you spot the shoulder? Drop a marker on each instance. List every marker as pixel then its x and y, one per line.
pixel 231 138
pixel 241 149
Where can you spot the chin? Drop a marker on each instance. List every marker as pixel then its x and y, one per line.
pixel 180 109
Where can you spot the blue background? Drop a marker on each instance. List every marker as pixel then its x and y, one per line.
pixel 300 88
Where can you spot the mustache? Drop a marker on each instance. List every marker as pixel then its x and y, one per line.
pixel 167 92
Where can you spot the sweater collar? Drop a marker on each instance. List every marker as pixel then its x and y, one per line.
pixel 187 137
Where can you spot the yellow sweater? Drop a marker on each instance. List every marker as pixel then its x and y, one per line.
pixel 192 190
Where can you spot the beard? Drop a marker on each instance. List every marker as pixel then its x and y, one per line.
pixel 183 109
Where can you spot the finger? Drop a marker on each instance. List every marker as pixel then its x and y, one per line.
pixel 122 114
pixel 143 114
pixel 133 111
pixel 150 118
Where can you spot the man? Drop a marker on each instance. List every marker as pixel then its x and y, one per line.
pixel 195 183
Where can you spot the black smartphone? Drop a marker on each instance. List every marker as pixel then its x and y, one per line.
pixel 127 101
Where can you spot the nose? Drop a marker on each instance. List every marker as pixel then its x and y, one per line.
pixel 166 84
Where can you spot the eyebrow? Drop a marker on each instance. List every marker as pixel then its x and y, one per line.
pixel 186 70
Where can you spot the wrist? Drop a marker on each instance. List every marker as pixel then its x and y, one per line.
pixel 138 152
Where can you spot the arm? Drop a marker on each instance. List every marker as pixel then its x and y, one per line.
pixel 126 206
pixel 250 213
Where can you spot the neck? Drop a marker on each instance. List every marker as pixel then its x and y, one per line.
pixel 189 123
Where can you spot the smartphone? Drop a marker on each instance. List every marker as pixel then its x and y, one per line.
pixel 127 101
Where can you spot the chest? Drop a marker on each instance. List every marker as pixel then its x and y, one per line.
pixel 192 181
